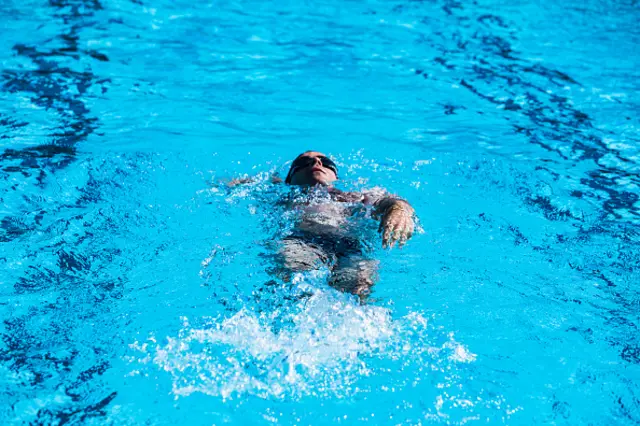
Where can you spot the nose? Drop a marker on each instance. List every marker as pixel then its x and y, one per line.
pixel 317 161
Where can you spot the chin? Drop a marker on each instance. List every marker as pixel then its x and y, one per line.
pixel 314 182
pixel 321 179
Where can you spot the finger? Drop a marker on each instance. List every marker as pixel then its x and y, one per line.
pixel 408 232
pixel 403 240
pixel 398 226
pixel 393 242
pixel 385 235
pixel 385 238
pixel 412 226
pixel 388 232
pixel 400 232
pixel 405 237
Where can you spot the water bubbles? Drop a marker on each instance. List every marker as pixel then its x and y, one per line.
pixel 325 345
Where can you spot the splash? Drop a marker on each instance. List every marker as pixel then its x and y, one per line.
pixel 322 346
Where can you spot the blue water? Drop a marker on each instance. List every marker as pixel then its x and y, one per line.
pixel 135 287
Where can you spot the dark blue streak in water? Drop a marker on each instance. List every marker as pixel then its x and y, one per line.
pixel 61 91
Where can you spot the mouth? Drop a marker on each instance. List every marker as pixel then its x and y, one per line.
pixel 317 169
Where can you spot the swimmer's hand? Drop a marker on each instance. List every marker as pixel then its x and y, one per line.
pixel 396 221
pixel 241 181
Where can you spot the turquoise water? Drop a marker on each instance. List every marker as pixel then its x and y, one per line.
pixel 135 287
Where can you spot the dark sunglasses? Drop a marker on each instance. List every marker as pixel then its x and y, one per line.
pixel 303 162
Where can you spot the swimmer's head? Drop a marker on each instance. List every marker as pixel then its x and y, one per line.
pixel 312 168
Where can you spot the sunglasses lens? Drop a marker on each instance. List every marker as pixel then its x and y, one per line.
pixel 303 162
pixel 328 163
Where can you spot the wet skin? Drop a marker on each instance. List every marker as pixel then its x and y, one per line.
pixel 323 223
pixel 314 174
pixel 396 215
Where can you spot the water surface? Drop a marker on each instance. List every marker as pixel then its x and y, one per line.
pixel 135 287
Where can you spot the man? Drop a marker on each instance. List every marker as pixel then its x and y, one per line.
pixel 326 232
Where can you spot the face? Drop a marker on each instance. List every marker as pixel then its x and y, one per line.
pixel 312 171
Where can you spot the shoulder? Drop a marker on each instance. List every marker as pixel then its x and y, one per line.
pixel 374 195
pixel 368 196
pixel 345 197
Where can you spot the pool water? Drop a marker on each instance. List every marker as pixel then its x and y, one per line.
pixel 136 288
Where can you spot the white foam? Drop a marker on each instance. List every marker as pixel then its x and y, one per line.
pixel 325 344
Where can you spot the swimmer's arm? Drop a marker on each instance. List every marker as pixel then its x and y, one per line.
pixel 396 217
pixel 383 205
pixel 275 179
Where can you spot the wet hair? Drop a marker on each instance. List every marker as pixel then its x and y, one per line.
pixel 288 178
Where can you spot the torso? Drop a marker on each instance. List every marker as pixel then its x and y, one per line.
pixel 326 212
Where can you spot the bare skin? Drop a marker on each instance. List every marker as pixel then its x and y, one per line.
pixel 322 237
pixel 395 215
